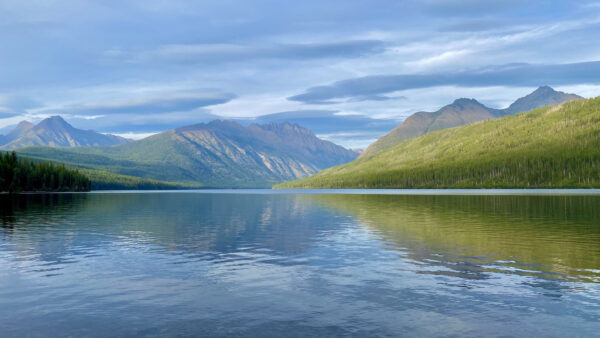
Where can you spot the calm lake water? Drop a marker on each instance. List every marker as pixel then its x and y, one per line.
pixel 256 263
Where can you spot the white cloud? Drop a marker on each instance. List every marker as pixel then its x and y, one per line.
pixel 444 59
pixel 354 140
pixel 88 75
pixel 255 105
pixel 11 121
pixel 590 5
pixel 135 136
pixel 587 91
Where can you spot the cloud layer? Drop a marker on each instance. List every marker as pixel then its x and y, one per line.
pixel 351 70
pixel 519 75
pixel 220 53
pixel 157 103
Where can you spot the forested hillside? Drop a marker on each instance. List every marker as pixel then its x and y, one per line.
pixel 551 147
pixel 462 112
pixel 23 175
pixel 102 180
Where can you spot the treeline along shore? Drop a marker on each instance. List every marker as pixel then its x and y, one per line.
pixel 23 175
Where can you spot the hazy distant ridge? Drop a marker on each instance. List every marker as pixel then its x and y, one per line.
pixel 55 132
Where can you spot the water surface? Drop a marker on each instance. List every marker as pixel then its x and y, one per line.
pixel 261 263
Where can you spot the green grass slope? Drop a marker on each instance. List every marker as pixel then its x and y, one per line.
pixel 551 147
pixel 461 112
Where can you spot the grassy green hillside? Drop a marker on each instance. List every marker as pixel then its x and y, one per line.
pixel 464 111
pixel 459 113
pixel 557 146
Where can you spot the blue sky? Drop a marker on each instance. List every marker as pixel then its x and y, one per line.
pixel 349 70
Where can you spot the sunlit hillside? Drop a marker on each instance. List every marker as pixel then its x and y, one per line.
pixel 556 146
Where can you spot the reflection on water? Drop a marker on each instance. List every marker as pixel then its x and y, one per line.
pixel 547 236
pixel 299 265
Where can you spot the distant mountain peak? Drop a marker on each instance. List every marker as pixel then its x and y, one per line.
pixel 214 124
pixel 541 97
pixel 545 89
pixel 224 153
pixel 464 111
pixel 465 102
pixel 56 118
pixel 53 122
pixel 274 126
pixel 19 130
pixel 24 125
pixel 219 122
pixel 54 131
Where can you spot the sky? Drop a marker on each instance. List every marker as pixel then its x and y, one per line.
pixel 348 70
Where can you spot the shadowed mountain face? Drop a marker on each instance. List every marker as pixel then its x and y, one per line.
pixel 216 154
pixel 55 132
pixel 461 112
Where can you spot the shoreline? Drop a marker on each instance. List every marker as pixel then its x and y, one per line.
pixel 448 192
pixel 399 192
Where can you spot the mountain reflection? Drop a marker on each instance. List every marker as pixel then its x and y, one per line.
pixel 555 237
pixel 59 225
pixel 470 237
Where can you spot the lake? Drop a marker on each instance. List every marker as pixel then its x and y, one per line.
pixel 286 263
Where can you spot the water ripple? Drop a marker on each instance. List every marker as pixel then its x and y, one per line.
pixel 309 265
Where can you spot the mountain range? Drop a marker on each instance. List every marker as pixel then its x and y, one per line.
pixel 216 154
pixel 550 147
pixel 464 111
pixel 227 154
pixel 55 132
